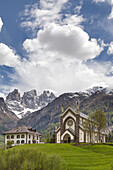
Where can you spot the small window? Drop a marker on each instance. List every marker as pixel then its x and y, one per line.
pixel 22 136
pixel 18 136
pixel 22 141
pixel 29 136
pixel 8 137
pixel 12 136
pixel 37 137
pixel 18 142
pixel 33 137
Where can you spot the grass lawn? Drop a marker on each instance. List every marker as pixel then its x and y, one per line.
pixel 92 157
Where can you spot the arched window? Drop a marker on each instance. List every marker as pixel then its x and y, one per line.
pixel 18 136
pixel 8 137
pixel 22 136
pixel 22 141
pixel 29 141
pixel 18 142
pixel 12 136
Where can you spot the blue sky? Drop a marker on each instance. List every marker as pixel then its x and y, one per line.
pixel 61 45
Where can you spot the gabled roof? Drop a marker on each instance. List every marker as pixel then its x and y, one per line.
pixel 22 129
pixel 75 112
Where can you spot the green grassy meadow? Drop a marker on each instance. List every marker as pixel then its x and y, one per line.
pixel 91 157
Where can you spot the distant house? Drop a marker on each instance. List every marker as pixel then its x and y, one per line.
pixel 22 135
pixel 72 128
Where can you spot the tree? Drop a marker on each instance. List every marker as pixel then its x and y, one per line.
pixel 52 140
pixel 9 144
pixel 100 118
pixel 48 138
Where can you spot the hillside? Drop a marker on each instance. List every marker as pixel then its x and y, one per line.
pixel 89 103
pixel 8 119
pixel 92 157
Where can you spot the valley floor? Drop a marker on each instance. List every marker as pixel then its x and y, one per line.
pixel 92 157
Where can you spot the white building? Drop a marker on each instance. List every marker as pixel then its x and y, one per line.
pixel 22 135
pixel 72 128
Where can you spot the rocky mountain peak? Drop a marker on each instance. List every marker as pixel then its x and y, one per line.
pixel 30 99
pixel 46 97
pixel 14 95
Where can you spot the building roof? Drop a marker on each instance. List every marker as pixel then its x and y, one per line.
pixel 84 115
pixel 22 129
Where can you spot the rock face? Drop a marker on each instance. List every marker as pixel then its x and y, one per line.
pixel 45 98
pixel 29 102
pixel 8 119
pixel 14 95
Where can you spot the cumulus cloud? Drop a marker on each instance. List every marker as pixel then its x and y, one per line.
pixel 68 40
pixel 8 56
pixel 1 24
pixel 56 61
pixel 57 57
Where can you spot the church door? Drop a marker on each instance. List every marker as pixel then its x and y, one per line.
pixel 69 139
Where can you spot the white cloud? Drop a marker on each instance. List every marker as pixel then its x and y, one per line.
pixel 1 24
pixel 2 95
pixel 56 57
pixel 8 56
pixel 56 61
pixel 66 41
pixel 49 11
pixel 110 48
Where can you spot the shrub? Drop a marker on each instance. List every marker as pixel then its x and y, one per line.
pixel 27 159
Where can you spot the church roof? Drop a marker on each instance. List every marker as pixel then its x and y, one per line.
pixel 84 115
pixel 22 129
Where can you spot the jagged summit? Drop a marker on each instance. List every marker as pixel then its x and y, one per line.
pixel 29 102
pixel 14 95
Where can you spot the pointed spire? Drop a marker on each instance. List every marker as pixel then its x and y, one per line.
pixel 62 109
pixel 77 107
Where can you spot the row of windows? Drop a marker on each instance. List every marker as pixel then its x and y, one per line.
pixel 12 136
pixel 18 141
pixel 18 136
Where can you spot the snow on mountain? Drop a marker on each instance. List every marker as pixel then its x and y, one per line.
pixel 28 103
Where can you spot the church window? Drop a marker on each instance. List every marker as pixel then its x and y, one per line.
pixel 81 121
pixel 70 123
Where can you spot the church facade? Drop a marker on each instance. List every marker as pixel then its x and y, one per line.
pixel 72 128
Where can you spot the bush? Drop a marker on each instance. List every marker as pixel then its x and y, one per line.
pixel 27 159
pixel 9 144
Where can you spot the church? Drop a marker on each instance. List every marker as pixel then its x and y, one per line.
pixel 72 129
